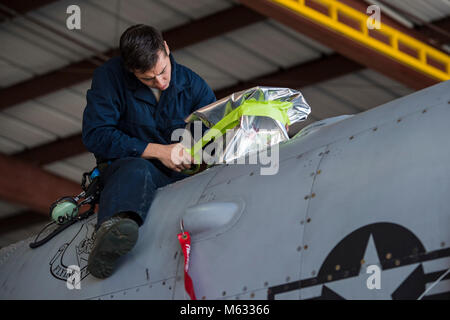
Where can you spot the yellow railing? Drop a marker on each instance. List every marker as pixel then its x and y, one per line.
pixel 335 9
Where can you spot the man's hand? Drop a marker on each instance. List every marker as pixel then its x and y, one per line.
pixel 173 156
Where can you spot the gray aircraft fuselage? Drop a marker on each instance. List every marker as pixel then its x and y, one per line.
pixel 359 209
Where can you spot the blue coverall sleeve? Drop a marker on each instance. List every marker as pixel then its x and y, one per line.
pixel 100 132
pixel 203 94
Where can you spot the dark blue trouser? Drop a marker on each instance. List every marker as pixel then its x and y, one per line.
pixel 129 185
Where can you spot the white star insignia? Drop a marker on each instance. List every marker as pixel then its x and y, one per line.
pixel 356 288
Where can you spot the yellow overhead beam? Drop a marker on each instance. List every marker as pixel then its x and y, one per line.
pixel 397 39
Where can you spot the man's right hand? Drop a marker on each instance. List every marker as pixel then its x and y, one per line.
pixel 173 156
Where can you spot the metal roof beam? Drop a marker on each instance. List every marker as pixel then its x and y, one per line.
pixel 179 37
pixel 31 186
pixel 302 75
pixel 426 33
pixel 342 44
pixel 439 38
pixel 24 6
pixel 53 151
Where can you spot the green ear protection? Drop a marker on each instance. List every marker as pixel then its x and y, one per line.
pixel 63 209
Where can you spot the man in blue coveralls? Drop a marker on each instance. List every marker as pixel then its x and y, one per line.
pixel 135 103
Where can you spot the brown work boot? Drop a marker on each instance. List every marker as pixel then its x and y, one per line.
pixel 115 237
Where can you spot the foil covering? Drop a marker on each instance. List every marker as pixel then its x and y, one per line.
pixel 254 133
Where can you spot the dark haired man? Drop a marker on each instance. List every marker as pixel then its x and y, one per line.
pixel 135 103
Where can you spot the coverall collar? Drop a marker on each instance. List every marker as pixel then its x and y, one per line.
pixel 142 92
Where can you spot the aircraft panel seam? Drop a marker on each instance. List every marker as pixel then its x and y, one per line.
pixel 322 156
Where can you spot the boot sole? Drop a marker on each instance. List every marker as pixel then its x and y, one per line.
pixel 116 242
